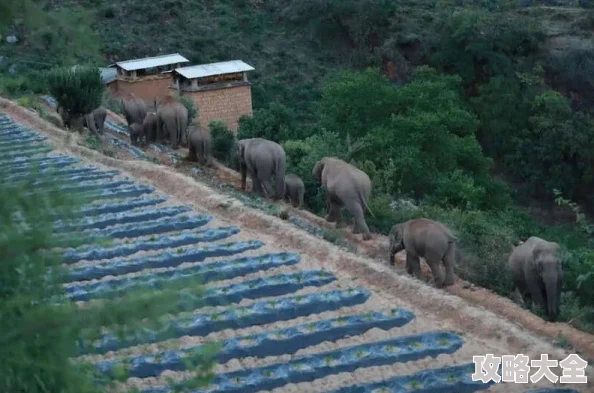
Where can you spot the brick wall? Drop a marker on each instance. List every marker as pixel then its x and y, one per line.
pixel 146 89
pixel 225 104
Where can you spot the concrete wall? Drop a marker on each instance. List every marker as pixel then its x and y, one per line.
pixel 145 88
pixel 224 104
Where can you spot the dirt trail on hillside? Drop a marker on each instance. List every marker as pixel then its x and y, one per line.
pixel 371 267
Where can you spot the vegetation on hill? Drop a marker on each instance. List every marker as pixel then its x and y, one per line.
pixel 461 108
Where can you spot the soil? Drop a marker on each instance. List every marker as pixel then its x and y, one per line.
pixel 488 323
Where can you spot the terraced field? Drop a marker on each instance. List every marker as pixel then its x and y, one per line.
pixel 287 322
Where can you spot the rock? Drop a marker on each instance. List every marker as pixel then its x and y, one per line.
pixel 11 39
pixel 196 171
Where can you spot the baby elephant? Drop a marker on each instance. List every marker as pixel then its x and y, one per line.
pixel 538 273
pixel 294 190
pixel 199 145
pixel 428 239
pixel 136 133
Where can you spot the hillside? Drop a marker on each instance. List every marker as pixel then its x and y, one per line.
pixel 465 97
pixel 290 311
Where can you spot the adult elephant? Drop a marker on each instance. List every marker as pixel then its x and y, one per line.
pixel 262 158
pixel 172 119
pixel 538 273
pixel 95 120
pixel 429 239
pixel 347 186
pixel 134 109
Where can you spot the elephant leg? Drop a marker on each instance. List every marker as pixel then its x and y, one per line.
pixel 535 291
pixel 413 265
pixel 334 213
pixel 358 213
pixel 449 260
pixel 256 185
pixel 438 276
pixel 267 187
pixel 192 156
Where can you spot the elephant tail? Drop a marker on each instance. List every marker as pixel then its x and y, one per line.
pixel 364 202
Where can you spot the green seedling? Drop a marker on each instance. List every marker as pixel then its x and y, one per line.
pixel 415 344
pixel 226 289
pixel 215 317
pixel 310 327
pixel 179 250
pixel 360 353
pixel 368 316
pixel 341 320
pixel 280 335
pixel 328 360
pixel 299 299
pixel 444 342
pixel 268 374
pixel 451 378
pixel 415 385
pixel 284 258
pixel 237 380
pixel 273 303
pixel 298 367
pixel 391 348
pixel 152 238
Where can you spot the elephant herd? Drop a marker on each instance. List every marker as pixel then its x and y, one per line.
pixel 535 264
pixel 168 121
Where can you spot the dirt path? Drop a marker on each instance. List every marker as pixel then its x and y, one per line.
pixel 482 329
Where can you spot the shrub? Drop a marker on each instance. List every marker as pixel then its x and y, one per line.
pixel 39 327
pixel 276 123
pixel 78 91
pixel 223 142
pixel 191 107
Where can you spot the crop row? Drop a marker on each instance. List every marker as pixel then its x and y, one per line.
pixel 215 271
pixel 271 343
pixel 258 313
pixel 312 367
pixel 184 238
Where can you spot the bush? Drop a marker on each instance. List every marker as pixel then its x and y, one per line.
pixel 191 107
pixel 276 123
pixel 78 91
pixel 39 326
pixel 223 142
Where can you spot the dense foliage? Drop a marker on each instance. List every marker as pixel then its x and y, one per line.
pixel 77 91
pixel 39 327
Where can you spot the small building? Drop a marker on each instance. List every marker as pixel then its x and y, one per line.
pixel 221 90
pixel 146 78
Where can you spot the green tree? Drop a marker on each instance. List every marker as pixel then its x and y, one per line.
pixel 276 123
pixel 555 151
pixel 77 91
pixel 355 102
pixel 191 107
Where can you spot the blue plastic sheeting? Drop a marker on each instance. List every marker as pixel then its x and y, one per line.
pixel 20 146
pixel 109 219
pixel 83 182
pixel 25 139
pixel 123 192
pixel 9 156
pixel 133 150
pixel 253 289
pixel 309 368
pixel 54 173
pixel 453 379
pixel 63 178
pixel 166 259
pixel 116 127
pixel 221 270
pixel 184 238
pixel 258 313
pixel 24 165
pixel 272 343
pixel 134 230
pixel 92 187
pixel 130 204
pixel 554 390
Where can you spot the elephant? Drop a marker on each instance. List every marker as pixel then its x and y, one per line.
pixel 172 118
pixel 538 273
pixel 347 186
pixel 150 127
pixel 95 120
pixel 200 146
pixel 137 134
pixel 134 109
pixel 294 190
pixel 262 158
pixel 428 239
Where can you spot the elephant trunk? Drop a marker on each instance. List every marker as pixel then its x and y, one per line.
pixel 552 286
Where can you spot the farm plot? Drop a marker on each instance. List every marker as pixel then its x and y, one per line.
pixel 285 322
